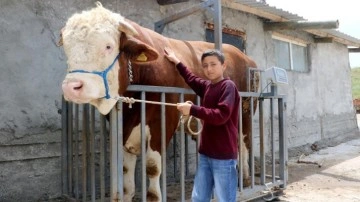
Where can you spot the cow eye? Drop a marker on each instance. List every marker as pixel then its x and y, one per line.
pixel 108 47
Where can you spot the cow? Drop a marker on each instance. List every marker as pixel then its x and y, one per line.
pixel 107 52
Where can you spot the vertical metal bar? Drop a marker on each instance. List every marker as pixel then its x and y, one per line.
pixel 217 25
pixel 64 150
pixel 76 159
pixel 70 147
pixel 143 148
pixel 272 139
pixel 113 153
pixel 240 138
pixel 174 160
pixel 252 166
pixel 120 152
pixel 84 150
pixel 199 136
pixel 186 154
pixel 163 149
pixel 92 153
pixel 102 149
pixel 282 143
pixel 262 141
pixel 248 79
pixel 182 157
pixel 88 151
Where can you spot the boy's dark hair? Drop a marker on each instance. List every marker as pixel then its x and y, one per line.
pixel 214 52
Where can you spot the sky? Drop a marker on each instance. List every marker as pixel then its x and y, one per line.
pixel 346 11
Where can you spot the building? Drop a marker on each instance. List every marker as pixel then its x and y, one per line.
pixel 319 107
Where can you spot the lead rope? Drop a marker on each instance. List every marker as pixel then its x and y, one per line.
pixel 131 101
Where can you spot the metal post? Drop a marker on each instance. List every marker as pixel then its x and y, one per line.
pixel 64 151
pixel 282 144
pixel 182 157
pixel 217 25
pixel 120 152
pixel 272 139
pixel 84 146
pixel 262 141
pixel 252 160
pixel 70 146
pixel 143 149
pixel 76 159
pixel 113 153
pixel 163 149
pixel 241 138
pixel 92 153
pixel 102 156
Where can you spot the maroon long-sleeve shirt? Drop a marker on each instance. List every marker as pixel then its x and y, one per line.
pixel 219 111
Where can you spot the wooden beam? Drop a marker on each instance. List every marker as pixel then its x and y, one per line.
pixel 168 2
pixel 270 26
pixel 323 39
pixel 354 50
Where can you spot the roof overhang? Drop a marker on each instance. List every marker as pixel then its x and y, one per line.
pixel 276 15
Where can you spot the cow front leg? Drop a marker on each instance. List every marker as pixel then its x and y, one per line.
pixel 129 175
pixel 153 171
pixel 245 164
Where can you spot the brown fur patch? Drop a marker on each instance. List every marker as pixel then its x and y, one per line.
pixel 125 170
pixel 152 197
pixel 125 191
pixel 151 168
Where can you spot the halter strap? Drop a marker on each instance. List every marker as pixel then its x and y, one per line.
pixel 102 74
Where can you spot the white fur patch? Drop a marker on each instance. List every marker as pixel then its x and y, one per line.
pixel 133 143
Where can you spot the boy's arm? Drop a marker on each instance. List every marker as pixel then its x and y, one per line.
pixel 196 83
pixel 222 112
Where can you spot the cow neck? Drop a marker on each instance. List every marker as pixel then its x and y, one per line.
pixel 102 74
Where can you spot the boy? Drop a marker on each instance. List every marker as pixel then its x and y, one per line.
pixel 219 111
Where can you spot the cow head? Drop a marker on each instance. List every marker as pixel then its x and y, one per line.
pixel 91 42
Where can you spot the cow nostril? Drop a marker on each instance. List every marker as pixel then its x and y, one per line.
pixel 78 87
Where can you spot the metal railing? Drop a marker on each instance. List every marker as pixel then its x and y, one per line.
pixel 92 158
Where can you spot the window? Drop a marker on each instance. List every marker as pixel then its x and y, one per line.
pixel 291 55
pixel 229 36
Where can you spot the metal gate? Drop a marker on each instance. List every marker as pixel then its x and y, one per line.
pixel 92 160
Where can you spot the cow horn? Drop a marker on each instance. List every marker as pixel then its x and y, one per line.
pixel 127 28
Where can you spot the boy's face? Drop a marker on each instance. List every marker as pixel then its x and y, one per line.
pixel 213 69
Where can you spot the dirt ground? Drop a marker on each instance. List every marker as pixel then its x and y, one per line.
pixel 337 180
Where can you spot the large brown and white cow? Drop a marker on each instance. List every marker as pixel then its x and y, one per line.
pixel 100 44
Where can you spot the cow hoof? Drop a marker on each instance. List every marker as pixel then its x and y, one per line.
pixel 152 197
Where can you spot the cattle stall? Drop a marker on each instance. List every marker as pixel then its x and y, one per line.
pixel 92 158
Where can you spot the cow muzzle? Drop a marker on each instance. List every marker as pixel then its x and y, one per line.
pixel 72 90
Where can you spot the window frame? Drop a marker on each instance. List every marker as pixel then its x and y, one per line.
pixel 290 42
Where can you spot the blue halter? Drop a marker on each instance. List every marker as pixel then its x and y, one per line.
pixel 103 75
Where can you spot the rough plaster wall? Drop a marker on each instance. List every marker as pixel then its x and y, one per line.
pixel 32 68
pixel 30 98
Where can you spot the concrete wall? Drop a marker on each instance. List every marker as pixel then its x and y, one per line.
pixel 319 103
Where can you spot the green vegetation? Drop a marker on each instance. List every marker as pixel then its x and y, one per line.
pixel 355 82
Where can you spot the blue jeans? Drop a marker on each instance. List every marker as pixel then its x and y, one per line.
pixel 214 173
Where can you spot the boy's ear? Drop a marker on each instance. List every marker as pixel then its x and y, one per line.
pixel 224 66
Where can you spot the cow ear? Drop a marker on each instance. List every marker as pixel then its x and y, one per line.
pixel 136 50
pixel 127 28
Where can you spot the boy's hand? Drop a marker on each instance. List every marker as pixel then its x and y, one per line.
pixel 170 55
pixel 184 108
